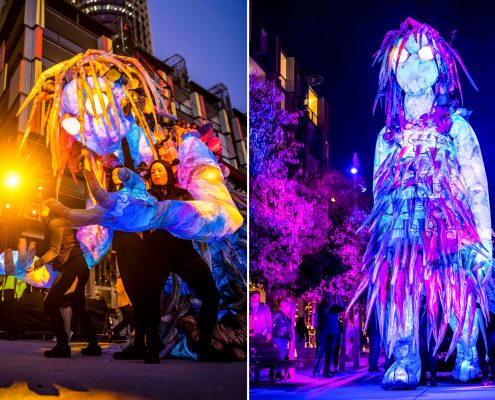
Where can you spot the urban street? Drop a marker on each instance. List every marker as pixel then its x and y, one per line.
pixel 26 374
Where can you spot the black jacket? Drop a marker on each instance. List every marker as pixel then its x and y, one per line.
pixel 281 326
pixel 328 319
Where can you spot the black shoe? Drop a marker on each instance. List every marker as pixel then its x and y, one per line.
pixel 91 350
pixel 328 375
pixel 152 357
pixel 58 352
pixel 130 352
pixel 433 382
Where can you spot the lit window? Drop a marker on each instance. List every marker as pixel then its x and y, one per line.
pixel 283 69
pixel 313 106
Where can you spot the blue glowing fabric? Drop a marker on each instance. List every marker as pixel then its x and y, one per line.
pixel 210 217
pixel 17 262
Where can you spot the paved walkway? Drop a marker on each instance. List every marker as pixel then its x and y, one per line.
pixel 359 384
pixel 26 374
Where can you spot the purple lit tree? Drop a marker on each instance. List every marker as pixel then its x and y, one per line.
pixel 347 210
pixel 285 222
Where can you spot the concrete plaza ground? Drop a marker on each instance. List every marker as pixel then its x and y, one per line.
pixel 26 374
pixel 359 384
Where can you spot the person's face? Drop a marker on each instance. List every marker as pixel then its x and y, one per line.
pixel 159 174
pixel 115 177
pixel 255 299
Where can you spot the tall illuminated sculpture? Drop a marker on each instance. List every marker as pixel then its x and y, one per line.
pixel 430 225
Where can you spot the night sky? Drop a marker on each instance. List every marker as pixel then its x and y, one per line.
pixel 212 37
pixel 336 39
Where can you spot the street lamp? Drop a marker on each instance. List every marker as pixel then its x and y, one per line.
pixel 12 180
pixel 354 170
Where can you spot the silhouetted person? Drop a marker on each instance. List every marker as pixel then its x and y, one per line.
pixel 64 253
pixel 487 333
pixel 11 291
pixel 327 330
pixel 301 337
pixel 373 333
pixel 428 360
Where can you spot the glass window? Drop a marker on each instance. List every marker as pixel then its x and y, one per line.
pixel 313 106
pixel 283 70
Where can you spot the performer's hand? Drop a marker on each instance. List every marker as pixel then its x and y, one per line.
pixel 269 337
pixel 31 268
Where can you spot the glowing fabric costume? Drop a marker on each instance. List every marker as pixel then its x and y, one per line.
pixel 88 105
pixel 430 224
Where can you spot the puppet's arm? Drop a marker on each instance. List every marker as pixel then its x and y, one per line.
pixel 474 175
pixel 210 217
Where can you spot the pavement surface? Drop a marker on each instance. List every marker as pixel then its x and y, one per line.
pixel 26 374
pixel 359 384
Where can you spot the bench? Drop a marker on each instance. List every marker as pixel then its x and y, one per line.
pixel 264 354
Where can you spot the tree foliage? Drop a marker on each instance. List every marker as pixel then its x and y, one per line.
pixel 302 229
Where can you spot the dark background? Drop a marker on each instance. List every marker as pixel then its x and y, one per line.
pixel 337 39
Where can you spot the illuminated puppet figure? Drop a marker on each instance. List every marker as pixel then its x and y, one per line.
pixel 430 225
pixel 88 106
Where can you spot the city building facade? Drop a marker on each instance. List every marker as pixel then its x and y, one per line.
pixel 269 61
pixel 128 17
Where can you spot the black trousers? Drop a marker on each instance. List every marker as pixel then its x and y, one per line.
pixel 76 267
pixel 166 253
pixel 480 346
pixel 325 348
pixel 10 312
pixel 374 354
pixel 337 352
pixel 428 360
pixel 133 268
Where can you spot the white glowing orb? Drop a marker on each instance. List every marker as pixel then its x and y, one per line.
pixel 71 125
pixel 354 170
pixel 403 55
pixel 13 179
pixel 96 100
pixel 425 53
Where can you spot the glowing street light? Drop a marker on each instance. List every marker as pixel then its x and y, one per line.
pixel 354 170
pixel 12 179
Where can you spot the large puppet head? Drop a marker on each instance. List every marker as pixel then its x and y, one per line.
pixel 413 59
pixel 95 100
